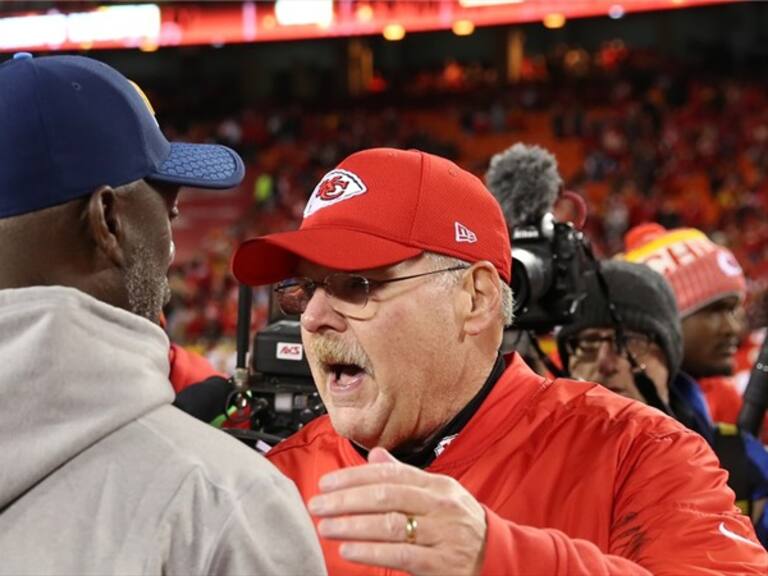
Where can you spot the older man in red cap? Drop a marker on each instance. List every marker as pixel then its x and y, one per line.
pixel 436 457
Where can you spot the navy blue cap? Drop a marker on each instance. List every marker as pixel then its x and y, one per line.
pixel 69 124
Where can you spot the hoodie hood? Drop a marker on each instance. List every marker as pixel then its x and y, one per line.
pixel 74 369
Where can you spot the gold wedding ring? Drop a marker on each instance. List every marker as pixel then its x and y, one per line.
pixel 410 529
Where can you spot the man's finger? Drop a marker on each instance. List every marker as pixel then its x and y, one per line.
pixel 384 473
pixel 387 527
pixel 370 499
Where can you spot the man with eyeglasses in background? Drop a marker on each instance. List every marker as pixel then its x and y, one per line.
pixel 635 349
pixel 436 457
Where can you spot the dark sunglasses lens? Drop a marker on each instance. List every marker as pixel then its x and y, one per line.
pixel 293 299
pixel 349 288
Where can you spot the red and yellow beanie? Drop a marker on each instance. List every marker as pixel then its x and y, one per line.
pixel 699 271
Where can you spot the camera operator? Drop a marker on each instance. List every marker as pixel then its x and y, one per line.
pixel 435 457
pixel 634 346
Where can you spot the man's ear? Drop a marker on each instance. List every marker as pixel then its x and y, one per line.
pixel 483 297
pixel 105 225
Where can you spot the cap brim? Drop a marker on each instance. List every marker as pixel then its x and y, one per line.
pixel 273 258
pixel 201 166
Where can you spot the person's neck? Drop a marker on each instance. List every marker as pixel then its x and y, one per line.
pixel 422 450
pixel 465 386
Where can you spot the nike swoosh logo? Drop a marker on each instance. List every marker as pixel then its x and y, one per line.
pixel 733 536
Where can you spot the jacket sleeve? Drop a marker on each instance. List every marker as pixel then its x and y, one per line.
pixel 512 549
pixel 672 514
pixel 188 368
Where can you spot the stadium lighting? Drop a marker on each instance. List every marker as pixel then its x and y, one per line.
pixel 304 12
pixel 364 13
pixel 616 11
pixel 554 20
pixel 269 22
pixel 107 23
pixel 115 22
pixel 133 26
pixel 477 3
pixel 394 32
pixel 463 27
pixel 22 31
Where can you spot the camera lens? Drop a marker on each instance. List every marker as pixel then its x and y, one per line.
pixel 531 276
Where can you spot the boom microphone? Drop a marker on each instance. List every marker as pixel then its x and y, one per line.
pixel 525 181
pixel 550 259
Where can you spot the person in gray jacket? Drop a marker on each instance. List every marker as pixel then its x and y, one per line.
pixel 99 474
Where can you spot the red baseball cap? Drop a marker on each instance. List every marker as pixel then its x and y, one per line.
pixel 380 207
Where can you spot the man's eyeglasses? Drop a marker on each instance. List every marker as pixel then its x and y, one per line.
pixel 587 348
pixel 353 290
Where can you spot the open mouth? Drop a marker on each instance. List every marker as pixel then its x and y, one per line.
pixel 345 377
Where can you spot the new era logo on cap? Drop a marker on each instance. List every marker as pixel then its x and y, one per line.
pixel 336 186
pixel 464 234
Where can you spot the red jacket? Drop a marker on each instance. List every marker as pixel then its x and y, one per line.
pixel 188 368
pixel 575 480
pixel 723 400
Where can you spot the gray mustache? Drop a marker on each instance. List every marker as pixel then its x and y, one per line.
pixel 333 351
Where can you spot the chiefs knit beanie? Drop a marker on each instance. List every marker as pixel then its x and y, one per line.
pixel 699 271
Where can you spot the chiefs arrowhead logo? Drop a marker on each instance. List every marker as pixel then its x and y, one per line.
pixel 331 188
pixel 336 186
pixel 728 264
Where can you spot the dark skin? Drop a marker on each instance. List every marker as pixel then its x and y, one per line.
pixel 711 337
pixel 92 244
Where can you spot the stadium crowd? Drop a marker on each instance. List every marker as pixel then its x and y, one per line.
pixel 639 138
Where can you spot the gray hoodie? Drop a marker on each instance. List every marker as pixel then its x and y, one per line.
pixel 99 474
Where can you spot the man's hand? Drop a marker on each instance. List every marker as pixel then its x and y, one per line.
pixel 397 516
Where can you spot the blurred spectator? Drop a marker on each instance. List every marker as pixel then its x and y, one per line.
pixel 636 350
pixel 709 286
pixel 638 134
